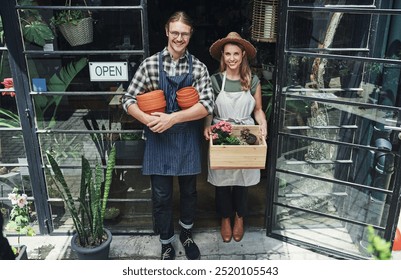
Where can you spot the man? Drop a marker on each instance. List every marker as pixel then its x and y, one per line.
pixel 173 138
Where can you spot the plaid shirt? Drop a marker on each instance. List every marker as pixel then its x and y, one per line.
pixel 146 78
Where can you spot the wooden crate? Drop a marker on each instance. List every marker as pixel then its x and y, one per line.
pixel 239 156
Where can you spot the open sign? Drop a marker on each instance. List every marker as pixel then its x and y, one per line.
pixel 108 71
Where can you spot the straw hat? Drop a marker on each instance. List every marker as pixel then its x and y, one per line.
pixel 232 37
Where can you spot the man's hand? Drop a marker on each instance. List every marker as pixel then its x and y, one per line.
pixel 162 122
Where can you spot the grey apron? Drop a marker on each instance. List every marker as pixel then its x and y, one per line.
pixel 175 152
pixel 236 108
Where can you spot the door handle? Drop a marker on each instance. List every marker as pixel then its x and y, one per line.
pixel 394 128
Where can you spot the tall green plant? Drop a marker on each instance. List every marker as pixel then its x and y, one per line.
pixel 101 140
pixel 89 209
pixel 59 82
pixel 9 119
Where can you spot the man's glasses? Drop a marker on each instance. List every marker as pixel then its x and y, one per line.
pixel 175 34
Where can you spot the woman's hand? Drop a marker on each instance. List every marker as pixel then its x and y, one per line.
pixel 207 131
pixel 263 130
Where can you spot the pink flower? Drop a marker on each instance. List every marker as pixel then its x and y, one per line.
pixel 22 200
pixel 13 198
pixel 222 134
pixel 8 84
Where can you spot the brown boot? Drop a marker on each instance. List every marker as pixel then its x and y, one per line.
pixel 226 232
pixel 238 231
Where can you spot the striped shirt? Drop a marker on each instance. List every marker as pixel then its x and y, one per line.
pixel 146 78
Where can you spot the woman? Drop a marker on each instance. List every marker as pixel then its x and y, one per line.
pixel 237 96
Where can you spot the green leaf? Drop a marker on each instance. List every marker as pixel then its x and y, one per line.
pixel 69 17
pixel 1 32
pixel 11 120
pixel 37 32
pixel 60 81
pixel 378 247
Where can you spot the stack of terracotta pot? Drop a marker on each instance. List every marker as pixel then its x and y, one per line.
pixel 187 97
pixel 152 101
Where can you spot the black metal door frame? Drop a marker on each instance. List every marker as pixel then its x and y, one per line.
pixel 275 122
pixel 26 112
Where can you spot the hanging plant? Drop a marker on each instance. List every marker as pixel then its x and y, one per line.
pixel 75 25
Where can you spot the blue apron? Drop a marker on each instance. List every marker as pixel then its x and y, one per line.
pixel 176 151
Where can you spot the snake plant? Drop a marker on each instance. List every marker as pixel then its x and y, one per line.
pixel 89 208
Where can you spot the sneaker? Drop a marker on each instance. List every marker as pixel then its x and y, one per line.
pixel 191 249
pixel 168 252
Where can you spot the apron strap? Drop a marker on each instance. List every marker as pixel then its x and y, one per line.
pixel 170 84
pixel 224 81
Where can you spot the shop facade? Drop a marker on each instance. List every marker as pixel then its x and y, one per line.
pixel 330 74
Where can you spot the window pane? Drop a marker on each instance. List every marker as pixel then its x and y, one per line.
pixel 64 74
pixel 323 30
pixel 99 30
pixel 330 2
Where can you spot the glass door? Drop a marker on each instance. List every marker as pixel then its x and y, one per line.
pixel 335 132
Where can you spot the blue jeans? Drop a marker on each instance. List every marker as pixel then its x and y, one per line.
pixel 162 198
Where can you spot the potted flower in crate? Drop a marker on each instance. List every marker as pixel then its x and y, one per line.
pixel 236 147
pixel 222 134
pixel 75 25
pixel 91 241
pixel 20 221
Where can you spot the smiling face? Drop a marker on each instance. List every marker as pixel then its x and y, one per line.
pixel 233 55
pixel 178 34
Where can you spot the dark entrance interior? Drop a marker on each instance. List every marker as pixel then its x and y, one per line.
pixel 212 20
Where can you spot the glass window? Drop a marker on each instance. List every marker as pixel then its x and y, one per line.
pixel 66 73
pixel 327 30
pixel 118 30
pixel 320 3
pixel 343 80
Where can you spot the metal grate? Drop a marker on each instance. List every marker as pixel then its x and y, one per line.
pixel 264 20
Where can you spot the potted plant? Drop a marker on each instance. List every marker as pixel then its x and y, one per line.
pixel 75 25
pixel 112 215
pixel 236 147
pixel 125 155
pixel 34 29
pixel 20 221
pixel 91 239
pixel 130 148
